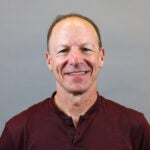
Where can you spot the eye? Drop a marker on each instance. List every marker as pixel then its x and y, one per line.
pixel 65 50
pixel 85 49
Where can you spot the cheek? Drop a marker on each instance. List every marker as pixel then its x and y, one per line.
pixel 95 62
pixel 57 65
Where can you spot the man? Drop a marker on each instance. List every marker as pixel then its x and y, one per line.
pixel 76 117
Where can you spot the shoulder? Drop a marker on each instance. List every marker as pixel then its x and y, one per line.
pixel 18 128
pixel 20 120
pixel 112 106
pixel 122 113
pixel 129 123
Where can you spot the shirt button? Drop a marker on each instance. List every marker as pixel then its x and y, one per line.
pixel 69 122
pixel 72 133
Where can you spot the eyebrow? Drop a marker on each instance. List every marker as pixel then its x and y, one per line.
pixel 88 44
pixel 62 45
pixel 82 44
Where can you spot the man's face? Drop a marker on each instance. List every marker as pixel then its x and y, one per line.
pixel 75 56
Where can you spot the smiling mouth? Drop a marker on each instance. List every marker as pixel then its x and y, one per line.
pixel 78 73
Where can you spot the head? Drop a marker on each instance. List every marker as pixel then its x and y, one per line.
pixel 75 53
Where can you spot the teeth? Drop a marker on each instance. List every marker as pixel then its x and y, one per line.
pixel 78 73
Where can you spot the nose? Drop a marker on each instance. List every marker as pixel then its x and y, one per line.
pixel 75 57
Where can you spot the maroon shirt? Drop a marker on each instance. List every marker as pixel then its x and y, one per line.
pixel 106 126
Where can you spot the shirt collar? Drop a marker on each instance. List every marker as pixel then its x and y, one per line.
pixel 92 110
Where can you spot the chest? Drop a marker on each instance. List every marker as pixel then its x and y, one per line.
pixel 93 133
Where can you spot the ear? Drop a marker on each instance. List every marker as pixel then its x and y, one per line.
pixel 102 55
pixel 48 58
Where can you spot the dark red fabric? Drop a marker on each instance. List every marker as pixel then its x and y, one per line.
pixel 106 126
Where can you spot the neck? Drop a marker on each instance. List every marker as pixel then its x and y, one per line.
pixel 75 105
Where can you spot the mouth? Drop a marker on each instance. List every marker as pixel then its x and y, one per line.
pixel 78 73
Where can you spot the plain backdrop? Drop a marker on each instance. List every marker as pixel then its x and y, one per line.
pixel 24 75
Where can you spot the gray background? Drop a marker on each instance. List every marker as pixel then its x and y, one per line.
pixel 24 76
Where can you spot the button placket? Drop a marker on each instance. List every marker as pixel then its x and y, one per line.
pixel 70 128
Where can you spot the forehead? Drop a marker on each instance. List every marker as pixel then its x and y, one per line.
pixel 76 24
pixel 74 21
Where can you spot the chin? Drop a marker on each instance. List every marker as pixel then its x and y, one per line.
pixel 77 92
